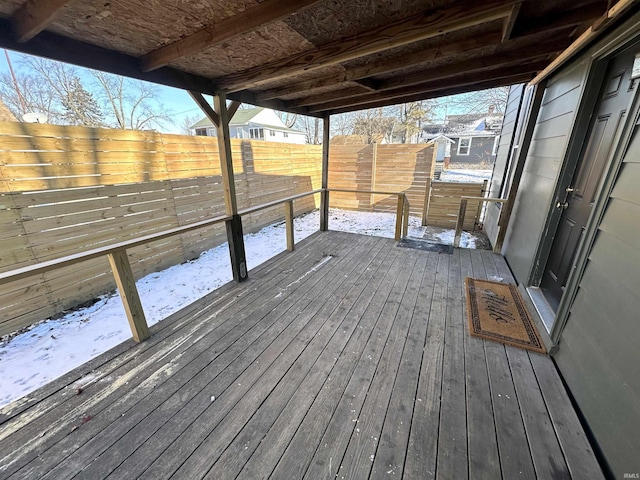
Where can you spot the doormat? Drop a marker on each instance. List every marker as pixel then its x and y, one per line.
pixel 497 312
pixel 426 246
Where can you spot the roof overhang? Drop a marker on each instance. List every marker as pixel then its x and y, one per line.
pixel 313 57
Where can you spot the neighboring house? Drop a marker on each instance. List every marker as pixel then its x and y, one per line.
pixel 572 148
pixel 442 153
pixel 253 124
pixel 474 137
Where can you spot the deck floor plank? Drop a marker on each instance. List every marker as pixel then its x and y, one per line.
pixel 199 347
pixel 298 388
pixel 304 419
pixel 390 456
pixel 482 441
pixel 420 462
pixel 452 442
pixel 57 415
pixel 358 365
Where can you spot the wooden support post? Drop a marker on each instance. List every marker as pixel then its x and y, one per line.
pixel 374 167
pixel 236 248
pixel 399 214
pixel 129 293
pixel 523 150
pixel 324 196
pixel 405 223
pixel 427 199
pixel 234 226
pixel 288 219
pixel 460 222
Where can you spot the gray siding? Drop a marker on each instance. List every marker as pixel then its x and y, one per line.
pixel 599 353
pixel 544 159
pixel 503 154
pixel 480 152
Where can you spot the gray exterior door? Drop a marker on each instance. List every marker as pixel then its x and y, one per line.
pixel 581 194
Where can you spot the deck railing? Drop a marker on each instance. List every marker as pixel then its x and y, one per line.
pixel 463 210
pixel 121 268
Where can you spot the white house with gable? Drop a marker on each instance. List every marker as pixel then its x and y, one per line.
pixel 253 124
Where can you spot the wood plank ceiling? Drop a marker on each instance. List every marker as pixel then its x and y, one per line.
pixel 314 57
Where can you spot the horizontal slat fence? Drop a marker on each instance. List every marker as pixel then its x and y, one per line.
pixel 444 204
pixel 392 168
pixel 69 189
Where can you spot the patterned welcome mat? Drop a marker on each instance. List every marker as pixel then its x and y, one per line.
pixel 496 312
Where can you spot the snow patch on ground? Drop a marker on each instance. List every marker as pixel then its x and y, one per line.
pixel 466 175
pixel 53 347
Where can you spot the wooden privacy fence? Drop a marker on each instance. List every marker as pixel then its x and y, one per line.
pixel 444 204
pixel 393 168
pixel 65 190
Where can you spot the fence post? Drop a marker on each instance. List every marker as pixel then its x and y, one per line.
pixel 405 223
pixel 399 214
pixel 324 196
pixel 427 198
pixel 460 222
pixel 126 283
pixel 288 220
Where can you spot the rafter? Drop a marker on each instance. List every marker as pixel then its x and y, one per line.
pixel 414 28
pixel 569 18
pixel 262 14
pixel 472 87
pixel 486 63
pixel 474 45
pixel 381 67
pixel 427 87
pixel 34 16
pixel 510 22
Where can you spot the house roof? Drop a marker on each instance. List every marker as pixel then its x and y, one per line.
pixel 313 57
pixel 244 116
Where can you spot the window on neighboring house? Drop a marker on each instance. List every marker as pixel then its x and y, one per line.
pixel 464 146
pixel 286 134
pixel 201 132
pixel 272 133
pixel 256 132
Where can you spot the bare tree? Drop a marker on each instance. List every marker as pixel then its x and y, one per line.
pixel 374 125
pixel 187 122
pixel 130 104
pixel 491 101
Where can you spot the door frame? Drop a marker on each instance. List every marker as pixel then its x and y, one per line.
pixel 597 66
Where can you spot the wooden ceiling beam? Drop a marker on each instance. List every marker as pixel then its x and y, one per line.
pixel 252 18
pixel 381 67
pixel 473 87
pixel 414 28
pixel 588 36
pixel 35 15
pixel 509 22
pixel 427 87
pixel 206 108
pixel 569 18
pixel 492 62
pixel 476 43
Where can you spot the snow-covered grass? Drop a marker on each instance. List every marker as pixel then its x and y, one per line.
pixel 53 347
pixel 465 175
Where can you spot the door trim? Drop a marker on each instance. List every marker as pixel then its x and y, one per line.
pixel 598 59
pixel 610 175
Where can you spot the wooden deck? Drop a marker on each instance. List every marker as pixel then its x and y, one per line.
pixel 347 358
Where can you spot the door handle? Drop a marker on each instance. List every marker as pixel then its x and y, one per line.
pixel 562 206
